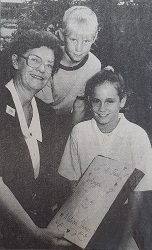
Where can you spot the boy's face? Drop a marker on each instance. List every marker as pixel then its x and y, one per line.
pixel 78 40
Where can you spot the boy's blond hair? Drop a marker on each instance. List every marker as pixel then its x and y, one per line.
pixel 80 15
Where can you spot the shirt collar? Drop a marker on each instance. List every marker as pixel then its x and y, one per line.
pixel 35 127
pixel 118 131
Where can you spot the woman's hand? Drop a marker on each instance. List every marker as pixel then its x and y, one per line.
pixel 51 237
pixel 46 236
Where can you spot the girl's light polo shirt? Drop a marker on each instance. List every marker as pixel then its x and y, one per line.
pixel 128 143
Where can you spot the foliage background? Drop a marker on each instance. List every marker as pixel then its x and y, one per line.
pixel 124 41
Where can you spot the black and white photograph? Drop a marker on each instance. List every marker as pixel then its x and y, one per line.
pixel 76 124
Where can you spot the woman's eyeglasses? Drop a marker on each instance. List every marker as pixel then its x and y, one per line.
pixel 35 61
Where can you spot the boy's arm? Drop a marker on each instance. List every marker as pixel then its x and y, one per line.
pixel 79 106
pixel 78 114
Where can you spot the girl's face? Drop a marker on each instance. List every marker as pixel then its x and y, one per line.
pixel 105 105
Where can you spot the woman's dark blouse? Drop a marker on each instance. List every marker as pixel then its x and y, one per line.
pixel 37 196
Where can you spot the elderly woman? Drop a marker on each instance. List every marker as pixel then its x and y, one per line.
pixel 28 190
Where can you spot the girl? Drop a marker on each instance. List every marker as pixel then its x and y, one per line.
pixel 109 134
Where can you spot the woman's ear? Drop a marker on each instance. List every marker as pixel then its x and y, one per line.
pixel 15 61
pixel 61 34
pixel 123 102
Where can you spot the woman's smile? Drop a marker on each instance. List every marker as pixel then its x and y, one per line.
pixel 37 77
pixel 102 115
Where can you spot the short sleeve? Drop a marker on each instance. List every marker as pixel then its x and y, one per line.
pixel 70 166
pixel 142 158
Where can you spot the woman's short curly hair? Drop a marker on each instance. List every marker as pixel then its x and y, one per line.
pixel 35 39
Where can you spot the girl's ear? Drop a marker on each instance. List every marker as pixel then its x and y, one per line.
pixel 61 34
pixel 123 102
pixel 15 61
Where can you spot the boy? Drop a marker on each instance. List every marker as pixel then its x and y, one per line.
pixel 79 32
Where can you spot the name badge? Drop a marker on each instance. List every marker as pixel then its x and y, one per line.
pixel 10 111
